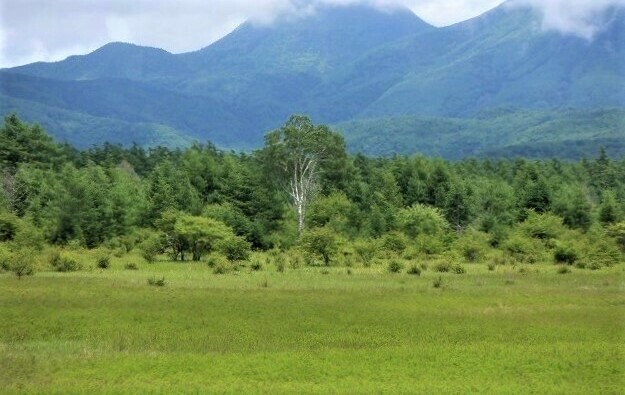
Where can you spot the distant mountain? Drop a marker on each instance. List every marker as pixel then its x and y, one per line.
pixel 566 133
pixel 382 76
pixel 114 60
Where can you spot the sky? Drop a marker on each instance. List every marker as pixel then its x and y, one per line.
pixel 45 30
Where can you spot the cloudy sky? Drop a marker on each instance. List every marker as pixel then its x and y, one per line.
pixel 33 30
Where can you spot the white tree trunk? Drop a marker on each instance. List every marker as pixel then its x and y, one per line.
pixel 303 185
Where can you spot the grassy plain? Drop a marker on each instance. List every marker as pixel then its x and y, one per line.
pixel 313 330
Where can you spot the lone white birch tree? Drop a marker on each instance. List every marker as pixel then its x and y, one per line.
pixel 294 156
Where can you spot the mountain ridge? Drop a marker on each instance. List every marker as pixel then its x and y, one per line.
pixel 340 64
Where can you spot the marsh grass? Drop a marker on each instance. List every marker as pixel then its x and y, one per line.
pixel 313 329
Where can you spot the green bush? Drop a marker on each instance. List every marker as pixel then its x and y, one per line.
pixel 438 283
pixel 443 267
pixel 160 282
pixel 320 242
pixel 235 249
pixel 395 266
pixel 151 247
pixel 430 245
pixel 414 270
pixel 8 227
pixel 256 266
pixel 458 269
pixel 103 262
pixel 64 263
pixel 22 264
pixel 420 219
pixel 580 265
pixel 542 226
pixel 131 266
pixel 5 258
pixel 472 245
pixel 366 251
pixel 491 266
pixel 565 255
pixel 219 263
pixel 394 242
pixel 296 262
pixel 594 266
pixel 564 270
pixel 523 249
pixel 280 263
pixel 617 231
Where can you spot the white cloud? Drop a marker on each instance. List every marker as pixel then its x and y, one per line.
pixel 33 30
pixel 582 18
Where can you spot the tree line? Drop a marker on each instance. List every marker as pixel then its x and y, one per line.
pixel 302 190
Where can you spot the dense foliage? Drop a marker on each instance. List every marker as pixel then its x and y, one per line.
pixel 201 202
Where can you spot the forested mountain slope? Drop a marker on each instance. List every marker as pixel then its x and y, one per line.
pixel 351 65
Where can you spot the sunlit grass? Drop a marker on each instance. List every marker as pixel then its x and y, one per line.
pixel 312 329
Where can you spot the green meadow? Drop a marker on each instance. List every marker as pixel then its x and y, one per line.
pixel 514 329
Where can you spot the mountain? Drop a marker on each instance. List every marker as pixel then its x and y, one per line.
pixel 382 76
pixel 114 60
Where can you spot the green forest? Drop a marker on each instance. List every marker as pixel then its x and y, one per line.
pixel 302 195
pixel 301 268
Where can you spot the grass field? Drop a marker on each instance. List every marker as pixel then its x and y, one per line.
pixel 306 330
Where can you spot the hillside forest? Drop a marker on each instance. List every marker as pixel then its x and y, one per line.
pixel 303 199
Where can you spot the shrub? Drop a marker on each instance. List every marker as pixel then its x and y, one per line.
pixel 150 248
pixel 430 245
pixel 523 249
pixel 5 258
pixel 325 271
pixel 594 266
pixel 235 249
pixel 131 266
pixel 8 227
pixel 542 226
pixel 256 266
pixel 219 263
pixel 421 219
pixel 395 242
pixel 22 264
pixel 472 245
pixel 414 270
pixel 64 264
pixel 443 267
pixel 349 272
pixel 23 269
pixel 565 255
pixel 320 242
pixel 472 253
pixel 580 265
pixel 149 256
pixel 424 266
pixel 156 282
pixel 564 270
pixel 395 266
pixel 366 251
pixel 491 267
pixel 438 283
pixel 104 262
pixel 458 269
pixel 296 262
pixel 617 231
pixel 280 264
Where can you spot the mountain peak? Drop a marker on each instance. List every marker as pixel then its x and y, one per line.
pixel 118 47
pixel 318 37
